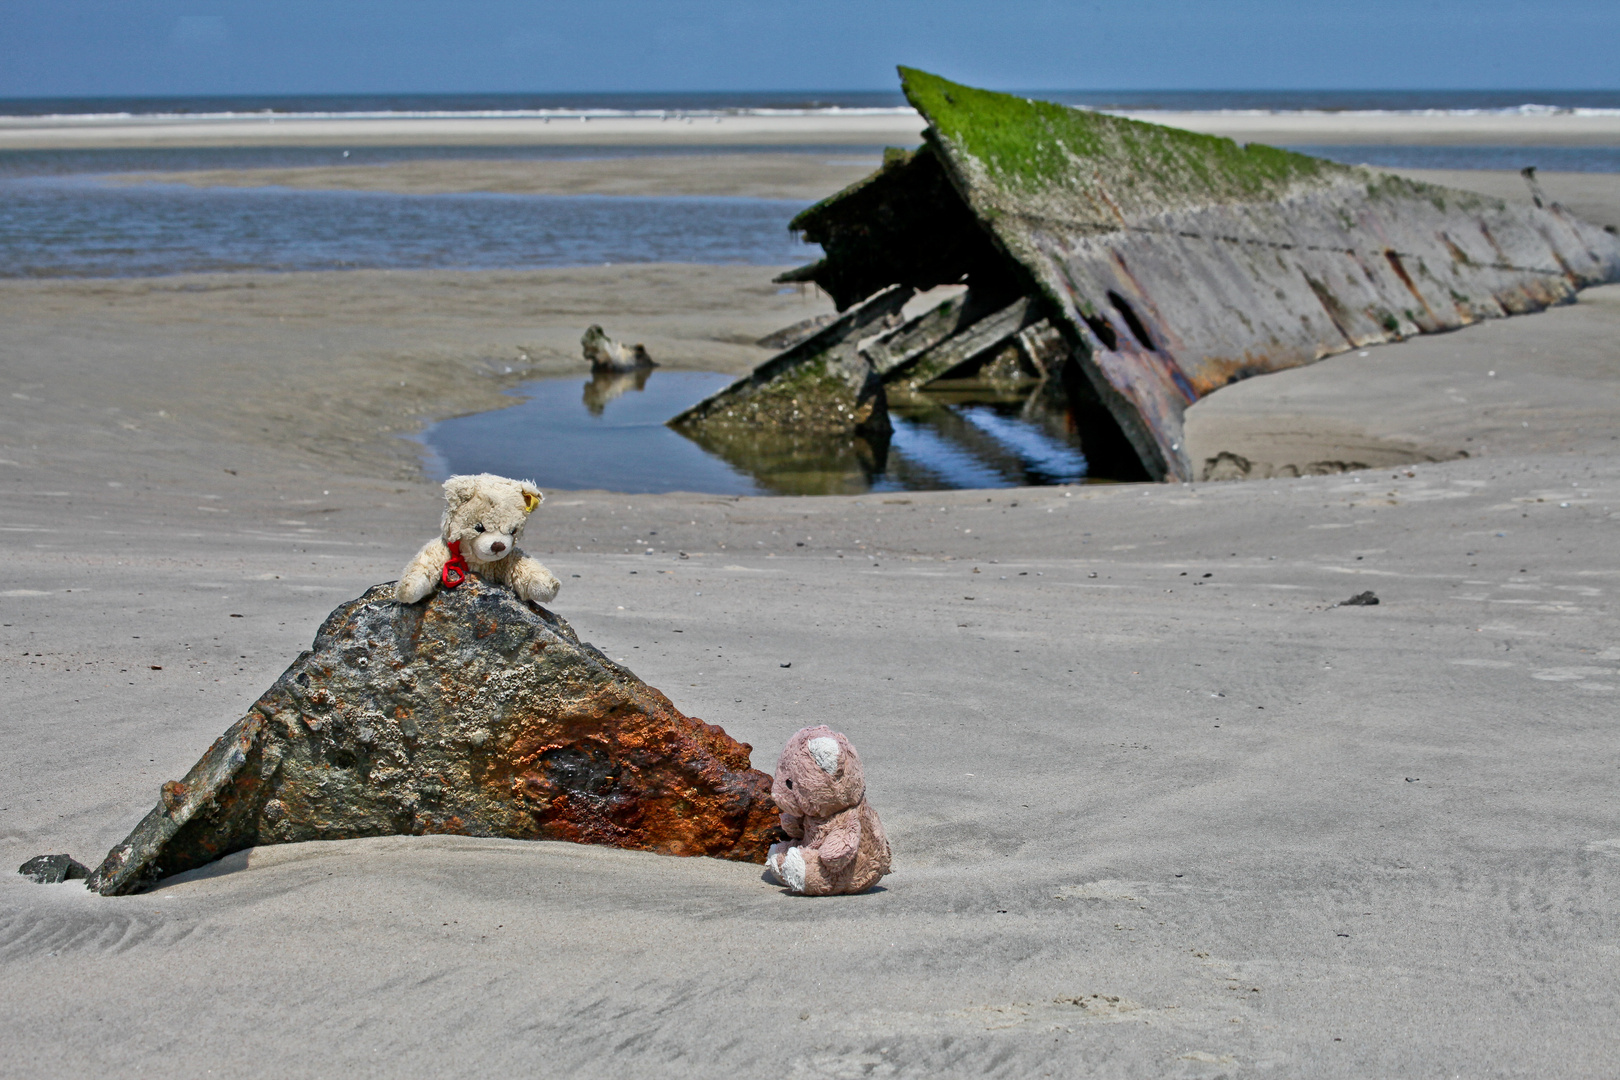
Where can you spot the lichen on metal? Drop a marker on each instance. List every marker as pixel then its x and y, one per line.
pixel 1174 263
pixel 471 713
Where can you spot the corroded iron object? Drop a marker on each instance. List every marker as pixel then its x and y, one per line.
pixel 470 713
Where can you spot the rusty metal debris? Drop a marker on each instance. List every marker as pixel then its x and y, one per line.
pixel 1137 267
pixel 53 869
pixel 607 355
pixel 472 713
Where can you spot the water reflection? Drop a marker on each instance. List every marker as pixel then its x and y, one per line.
pixel 1006 434
pixel 606 386
pixel 969 434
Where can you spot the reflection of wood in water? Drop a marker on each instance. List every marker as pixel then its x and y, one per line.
pixel 796 463
pixel 605 386
pixel 817 463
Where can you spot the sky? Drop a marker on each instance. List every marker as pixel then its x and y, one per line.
pixel 51 48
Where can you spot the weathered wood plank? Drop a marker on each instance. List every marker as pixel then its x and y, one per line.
pixel 822 383
pixel 894 350
pixel 994 330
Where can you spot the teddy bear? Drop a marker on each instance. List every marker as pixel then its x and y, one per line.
pixel 478 534
pixel 838 844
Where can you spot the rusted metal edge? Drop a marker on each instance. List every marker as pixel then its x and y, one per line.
pixel 121 870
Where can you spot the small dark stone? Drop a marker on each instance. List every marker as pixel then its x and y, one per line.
pixel 53 869
pixel 1365 599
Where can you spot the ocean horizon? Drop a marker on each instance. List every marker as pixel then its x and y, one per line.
pixel 453 105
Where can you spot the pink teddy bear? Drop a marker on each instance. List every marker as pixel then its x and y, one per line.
pixel 821 791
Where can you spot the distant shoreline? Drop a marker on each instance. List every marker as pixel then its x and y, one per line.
pixel 849 127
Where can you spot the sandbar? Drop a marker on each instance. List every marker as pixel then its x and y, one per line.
pixel 739 175
pixel 855 127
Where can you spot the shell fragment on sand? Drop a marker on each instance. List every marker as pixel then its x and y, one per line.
pixel 471 713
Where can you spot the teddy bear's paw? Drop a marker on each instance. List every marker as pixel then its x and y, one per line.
pixel 772 870
pixel 541 592
pixel 534 582
pixel 410 590
pixel 791 869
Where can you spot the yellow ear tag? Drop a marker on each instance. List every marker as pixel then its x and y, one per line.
pixel 530 501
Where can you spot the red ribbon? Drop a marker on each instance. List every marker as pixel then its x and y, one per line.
pixel 455 569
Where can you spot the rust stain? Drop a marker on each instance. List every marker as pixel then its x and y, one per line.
pixel 565 745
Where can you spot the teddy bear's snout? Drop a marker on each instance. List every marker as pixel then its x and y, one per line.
pixel 489 546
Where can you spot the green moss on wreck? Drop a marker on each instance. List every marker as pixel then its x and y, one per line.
pixel 811 398
pixel 1389 187
pixel 1038 145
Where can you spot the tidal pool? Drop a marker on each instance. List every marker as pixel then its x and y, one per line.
pixel 608 432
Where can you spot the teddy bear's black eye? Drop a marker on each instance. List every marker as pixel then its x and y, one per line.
pixel 479 528
pixel 789 783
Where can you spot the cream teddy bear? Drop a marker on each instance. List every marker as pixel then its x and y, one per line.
pixel 839 846
pixel 478 534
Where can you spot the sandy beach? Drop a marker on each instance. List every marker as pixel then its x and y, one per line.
pixel 851 128
pixel 1264 834
pixel 854 129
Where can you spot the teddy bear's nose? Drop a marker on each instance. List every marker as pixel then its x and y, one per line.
pixel 498 546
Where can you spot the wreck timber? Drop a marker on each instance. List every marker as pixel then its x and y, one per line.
pixel 1173 263
pixel 823 385
pixel 943 359
pixel 471 713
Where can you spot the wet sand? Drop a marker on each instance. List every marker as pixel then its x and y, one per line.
pixel 756 176
pixel 1158 807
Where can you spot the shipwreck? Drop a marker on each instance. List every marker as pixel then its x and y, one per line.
pixel 1128 268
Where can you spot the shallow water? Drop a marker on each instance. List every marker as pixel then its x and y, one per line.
pixel 82 227
pixel 61 216
pixel 609 433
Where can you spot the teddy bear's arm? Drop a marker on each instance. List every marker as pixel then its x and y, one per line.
pixel 422 572
pixel 530 580
pixel 793 825
pixel 839 839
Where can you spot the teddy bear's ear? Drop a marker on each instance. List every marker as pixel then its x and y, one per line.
pixel 458 489
pixel 825 751
pixel 532 496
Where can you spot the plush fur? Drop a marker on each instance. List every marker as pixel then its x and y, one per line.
pixel 486 513
pixel 838 844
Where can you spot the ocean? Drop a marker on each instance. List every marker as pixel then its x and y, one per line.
pixel 61 214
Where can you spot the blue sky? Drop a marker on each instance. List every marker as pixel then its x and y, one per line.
pixel 129 47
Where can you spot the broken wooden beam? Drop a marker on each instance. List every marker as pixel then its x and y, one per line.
pixel 821 385
pixel 945 357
